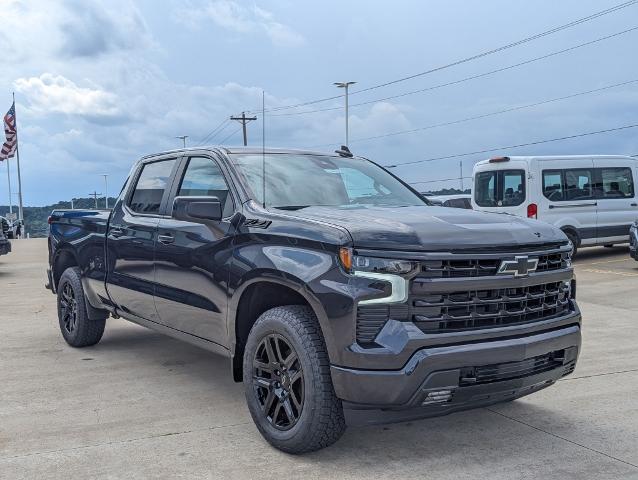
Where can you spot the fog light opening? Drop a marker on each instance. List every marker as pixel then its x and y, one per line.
pixel 438 396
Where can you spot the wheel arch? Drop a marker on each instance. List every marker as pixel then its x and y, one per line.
pixel 63 258
pixel 257 296
pixel 571 230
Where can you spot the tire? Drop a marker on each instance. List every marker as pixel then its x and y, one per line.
pixel 76 327
pixel 313 418
pixel 575 241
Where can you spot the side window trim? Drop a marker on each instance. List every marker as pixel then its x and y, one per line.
pixel 138 172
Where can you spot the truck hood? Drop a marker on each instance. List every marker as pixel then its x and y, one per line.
pixel 432 228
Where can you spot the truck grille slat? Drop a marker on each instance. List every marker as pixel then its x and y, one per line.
pixel 485 267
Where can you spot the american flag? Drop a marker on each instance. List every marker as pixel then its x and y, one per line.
pixel 9 146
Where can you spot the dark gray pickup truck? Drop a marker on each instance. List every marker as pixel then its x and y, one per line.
pixel 338 293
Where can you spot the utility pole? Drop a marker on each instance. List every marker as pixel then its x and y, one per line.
pixel 183 139
pixel 345 85
pixel 106 190
pixel 461 174
pixel 95 195
pixel 244 120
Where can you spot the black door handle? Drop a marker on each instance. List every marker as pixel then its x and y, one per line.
pixel 634 204
pixel 166 239
pixel 116 231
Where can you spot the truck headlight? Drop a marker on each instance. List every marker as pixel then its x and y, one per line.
pixel 357 263
pixel 394 273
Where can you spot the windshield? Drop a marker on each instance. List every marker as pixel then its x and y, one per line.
pixel 297 181
pixel 499 188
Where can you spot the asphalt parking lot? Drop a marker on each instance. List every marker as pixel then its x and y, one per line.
pixel 141 405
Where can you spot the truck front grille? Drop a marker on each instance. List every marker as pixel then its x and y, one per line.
pixel 468 310
pixel 455 294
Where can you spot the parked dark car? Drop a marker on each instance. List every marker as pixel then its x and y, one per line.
pixel 338 293
pixel 633 240
pixel 5 244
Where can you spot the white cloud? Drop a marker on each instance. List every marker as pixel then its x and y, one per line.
pixel 232 16
pixel 50 93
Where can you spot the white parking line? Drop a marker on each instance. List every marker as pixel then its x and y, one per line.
pixel 612 272
pixel 600 263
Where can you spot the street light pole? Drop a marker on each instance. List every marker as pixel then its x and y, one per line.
pixel 345 86
pixel 183 138
pixel 106 190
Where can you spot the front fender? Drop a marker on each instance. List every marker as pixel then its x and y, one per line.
pixel 314 274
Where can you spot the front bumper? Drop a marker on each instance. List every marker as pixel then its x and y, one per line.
pixel 5 247
pixel 633 242
pixel 435 381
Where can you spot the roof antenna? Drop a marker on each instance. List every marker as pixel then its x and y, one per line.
pixel 263 148
pixel 344 152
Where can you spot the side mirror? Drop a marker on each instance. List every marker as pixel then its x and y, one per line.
pixel 197 208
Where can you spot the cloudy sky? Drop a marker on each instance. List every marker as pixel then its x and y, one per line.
pixel 100 83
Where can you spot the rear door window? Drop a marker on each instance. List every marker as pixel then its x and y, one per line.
pixel 500 188
pixel 150 187
pixel 617 183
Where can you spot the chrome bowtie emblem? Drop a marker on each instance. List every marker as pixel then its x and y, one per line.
pixel 521 266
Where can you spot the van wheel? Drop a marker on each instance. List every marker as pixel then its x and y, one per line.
pixel 76 327
pixel 287 381
pixel 575 241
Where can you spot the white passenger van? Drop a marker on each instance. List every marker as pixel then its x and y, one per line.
pixel 591 198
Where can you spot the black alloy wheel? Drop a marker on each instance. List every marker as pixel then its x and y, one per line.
pixel 77 327
pixel 68 308
pixel 278 381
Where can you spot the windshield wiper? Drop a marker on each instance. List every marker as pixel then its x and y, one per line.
pixel 291 207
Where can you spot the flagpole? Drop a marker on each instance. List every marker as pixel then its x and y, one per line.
pixel 20 211
pixel 9 182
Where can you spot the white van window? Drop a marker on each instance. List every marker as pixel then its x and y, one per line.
pixel 578 184
pixel 500 188
pixel 553 185
pixel 617 183
pixel 568 185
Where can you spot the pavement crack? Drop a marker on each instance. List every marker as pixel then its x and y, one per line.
pixel 598 375
pixel 611 457
pixel 118 442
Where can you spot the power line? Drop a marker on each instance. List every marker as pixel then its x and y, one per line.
pixel 231 135
pixel 465 79
pixel 468 59
pixel 504 47
pixel 499 112
pixel 520 145
pixel 439 180
pixel 213 132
